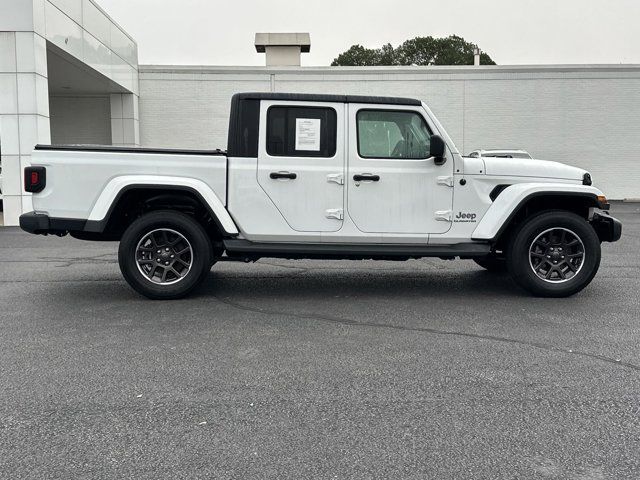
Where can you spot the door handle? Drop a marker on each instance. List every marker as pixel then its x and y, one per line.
pixel 289 175
pixel 366 177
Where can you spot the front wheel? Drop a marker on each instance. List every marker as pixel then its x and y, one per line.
pixel 554 254
pixel 164 255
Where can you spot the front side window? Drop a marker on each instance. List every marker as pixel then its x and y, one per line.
pixel 301 132
pixel 392 134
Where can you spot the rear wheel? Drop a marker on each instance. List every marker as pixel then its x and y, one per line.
pixel 164 255
pixel 554 254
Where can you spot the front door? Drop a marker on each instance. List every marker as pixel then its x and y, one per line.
pixel 301 163
pixel 393 184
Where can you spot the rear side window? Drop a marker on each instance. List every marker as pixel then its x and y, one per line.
pixel 301 132
pixel 392 134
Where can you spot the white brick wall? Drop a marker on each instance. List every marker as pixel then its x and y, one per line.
pixel 191 110
pixel 588 116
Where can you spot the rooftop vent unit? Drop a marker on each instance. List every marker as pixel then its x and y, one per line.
pixel 283 49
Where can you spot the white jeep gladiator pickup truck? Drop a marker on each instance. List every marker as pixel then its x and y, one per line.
pixel 322 176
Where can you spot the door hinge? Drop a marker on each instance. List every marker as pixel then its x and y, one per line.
pixel 444 215
pixel 447 181
pixel 336 213
pixel 335 178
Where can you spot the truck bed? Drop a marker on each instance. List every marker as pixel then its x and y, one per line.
pixel 77 175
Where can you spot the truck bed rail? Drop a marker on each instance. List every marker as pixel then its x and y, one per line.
pixel 112 148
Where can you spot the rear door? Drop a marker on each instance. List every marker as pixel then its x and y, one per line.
pixel 301 162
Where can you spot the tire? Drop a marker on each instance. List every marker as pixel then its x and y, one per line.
pixel 492 264
pixel 558 245
pixel 163 238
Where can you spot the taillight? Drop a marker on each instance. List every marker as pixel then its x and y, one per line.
pixel 35 179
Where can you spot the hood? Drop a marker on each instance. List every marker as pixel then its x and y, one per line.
pixel 524 167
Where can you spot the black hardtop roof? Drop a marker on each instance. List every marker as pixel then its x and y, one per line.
pixel 312 97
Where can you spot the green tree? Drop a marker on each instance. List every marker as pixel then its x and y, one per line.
pixel 452 50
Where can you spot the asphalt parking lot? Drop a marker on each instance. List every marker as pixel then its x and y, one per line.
pixel 316 369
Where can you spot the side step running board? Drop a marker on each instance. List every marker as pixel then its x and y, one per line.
pixel 235 247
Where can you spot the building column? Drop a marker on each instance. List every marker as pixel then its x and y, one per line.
pixel 24 113
pixel 125 122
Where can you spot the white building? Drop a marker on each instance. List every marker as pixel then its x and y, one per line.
pixel 69 74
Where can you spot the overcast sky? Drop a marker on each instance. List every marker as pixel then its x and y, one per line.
pixel 220 32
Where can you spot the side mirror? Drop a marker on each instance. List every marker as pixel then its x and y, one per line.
pixel 437 148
